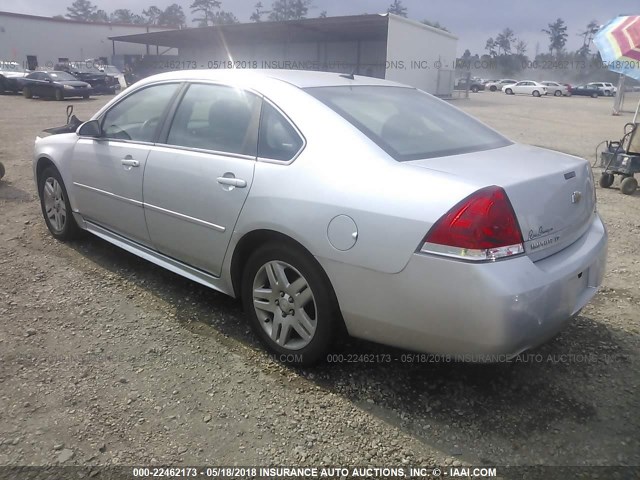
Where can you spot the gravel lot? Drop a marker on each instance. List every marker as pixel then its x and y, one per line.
pixel 107 359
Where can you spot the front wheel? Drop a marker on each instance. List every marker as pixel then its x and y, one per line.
pixel 536 93
pixel 290 304
pixel 557 93
pixel 26 92
pixel 594 95
pixel 55 205
pixel 474 89
pixel 493 88
pixel 508 91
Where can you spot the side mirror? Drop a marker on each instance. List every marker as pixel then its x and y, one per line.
pixel 90 129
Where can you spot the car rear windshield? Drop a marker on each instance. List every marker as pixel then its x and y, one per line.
pixel 407 123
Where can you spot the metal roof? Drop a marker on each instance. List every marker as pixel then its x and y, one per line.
pixel 345 28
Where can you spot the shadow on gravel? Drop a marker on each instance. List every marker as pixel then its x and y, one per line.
pixel 537 392
pixel 13 194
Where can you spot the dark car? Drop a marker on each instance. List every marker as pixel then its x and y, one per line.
pixel 90 73
pixel 54 84
pixel 586 91
pixel 474 84
pixel 11 75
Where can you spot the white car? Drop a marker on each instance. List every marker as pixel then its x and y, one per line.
pixel 605 88
pixel 498 84
pixel 556 89
pixel 525 87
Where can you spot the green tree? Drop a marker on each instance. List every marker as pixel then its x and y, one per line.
pixel 152 15
pixel 224 18
pixel 257 14
pixel 434 25
pixel 521 47
pixel 282 10
pixel 490 47
pixel 557 33
pixel 587 38
pixel 124 15
pixel 207 8
pixel 397 8
pixel 81 10
pixel 503 41
pixel 173 16
pixel 323 14
pixel 100 16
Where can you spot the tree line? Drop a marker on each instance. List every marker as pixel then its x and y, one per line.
pixel 207 13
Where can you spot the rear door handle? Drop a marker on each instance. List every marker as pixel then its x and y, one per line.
pixel 234 182
pixel 130 162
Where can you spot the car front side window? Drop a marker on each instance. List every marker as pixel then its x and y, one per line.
pixel 217 118
pixel 137 117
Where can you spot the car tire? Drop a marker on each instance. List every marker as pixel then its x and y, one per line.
pixel 474 89
pixel 296 314
pixel 535 93
pixel 594 95
pixel 86 97
pixel 508 91
pixel 26 92
pixel 628 185
pixel 55 206
pixel 606 180
pixel 493 88
pixel 557 93
pixel 607 93
pixel 58 95
pixel 2 171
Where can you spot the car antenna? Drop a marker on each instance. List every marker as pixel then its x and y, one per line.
pixel 350 76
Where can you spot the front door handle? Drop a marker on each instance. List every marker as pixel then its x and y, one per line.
pixel 234 182
pixel 130 162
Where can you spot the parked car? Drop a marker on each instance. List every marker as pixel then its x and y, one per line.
pixel 525 87
pixel 585 90
pixel 556 89
pixel 330 202
pixel 88 72
pixel 11 75
pixel 54 84
pixel 605 88
pixel 474 84
pixel 497 85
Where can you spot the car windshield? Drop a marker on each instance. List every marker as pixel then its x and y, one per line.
pixel 111 70
pixel 61 76
pixel 407 123
pixel 85 67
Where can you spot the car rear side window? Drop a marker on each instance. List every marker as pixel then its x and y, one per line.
pixel 278 140
pixel 408 124
pixel 137 117
pixel 218 118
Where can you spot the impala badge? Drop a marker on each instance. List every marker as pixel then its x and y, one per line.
pixel 575 197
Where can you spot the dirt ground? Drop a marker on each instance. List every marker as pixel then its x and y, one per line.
pixel 107 359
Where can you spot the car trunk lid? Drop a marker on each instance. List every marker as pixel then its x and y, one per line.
pixel 552 193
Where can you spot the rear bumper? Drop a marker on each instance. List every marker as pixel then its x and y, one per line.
pixel 477 311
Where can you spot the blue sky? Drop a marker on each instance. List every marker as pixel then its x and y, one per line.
pixel 472 21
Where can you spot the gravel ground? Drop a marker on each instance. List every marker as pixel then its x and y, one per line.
pixel 107 359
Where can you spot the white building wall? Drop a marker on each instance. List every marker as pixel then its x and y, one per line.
pixel 421 56
pixel 50 39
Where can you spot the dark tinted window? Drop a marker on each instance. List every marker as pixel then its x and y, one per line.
pixel 137 116
pixel 407 123
pixel 218 118
pixel 278 140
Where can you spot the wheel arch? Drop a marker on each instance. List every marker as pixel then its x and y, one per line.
pixel 42 163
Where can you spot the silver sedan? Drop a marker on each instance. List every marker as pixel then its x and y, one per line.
pixel 330 203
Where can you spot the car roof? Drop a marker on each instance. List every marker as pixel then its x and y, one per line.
pixel 298 78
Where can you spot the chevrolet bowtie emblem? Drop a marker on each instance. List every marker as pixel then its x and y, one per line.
pixel 575 197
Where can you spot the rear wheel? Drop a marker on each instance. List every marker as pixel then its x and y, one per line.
pixel 606 180
pixel 55 205
pixel 628 185
pixel 594 95
pixel 290 304
pixel 493 88
pixel 557 93
pixel 59 95
pixel 474 89
pixel 508 91
pixel 536 93
pixel 26 92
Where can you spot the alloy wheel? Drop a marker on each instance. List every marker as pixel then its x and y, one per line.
pixel 54 204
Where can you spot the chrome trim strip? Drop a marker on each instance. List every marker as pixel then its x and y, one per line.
pixel 186 218
pixel 205 151
pixel 109 194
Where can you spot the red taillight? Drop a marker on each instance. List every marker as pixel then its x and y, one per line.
pixel 481 227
